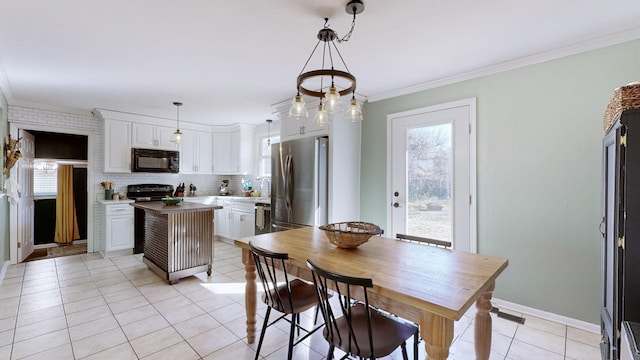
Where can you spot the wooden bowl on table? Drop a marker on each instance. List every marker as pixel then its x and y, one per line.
pixel 350 234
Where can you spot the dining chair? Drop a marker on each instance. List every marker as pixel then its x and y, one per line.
pixel 355 327
pixel 424 240
pixel 288 297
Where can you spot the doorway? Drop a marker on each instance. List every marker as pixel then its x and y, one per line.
pixel 431 173
pixel 50 147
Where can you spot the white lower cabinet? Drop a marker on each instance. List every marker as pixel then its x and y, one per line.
pixel 244 219
pixel 117 228
pixel 235 220
pixel 223 226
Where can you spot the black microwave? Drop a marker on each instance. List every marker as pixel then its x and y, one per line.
pixel 156 161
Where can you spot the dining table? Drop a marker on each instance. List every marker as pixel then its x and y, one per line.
pixel 430 286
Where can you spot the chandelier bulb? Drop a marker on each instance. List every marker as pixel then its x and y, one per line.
pixel 298 109
pixel 355 112
pixel 322 118
pixel 332 98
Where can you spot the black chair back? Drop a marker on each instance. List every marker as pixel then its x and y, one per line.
pixel 345 287
pixel 268 266
pixel 424 240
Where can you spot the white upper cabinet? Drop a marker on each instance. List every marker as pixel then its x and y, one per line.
pixel 196 152
pixel 221 155
pixel 296 129
pixel 149 136
pixel 117 146
pixel 233 148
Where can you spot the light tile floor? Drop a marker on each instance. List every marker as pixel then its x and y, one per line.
pixel 87 307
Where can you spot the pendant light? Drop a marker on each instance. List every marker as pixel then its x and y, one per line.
pixel 355 111
pixel 269 121
pixel 321 118
pixel 177 135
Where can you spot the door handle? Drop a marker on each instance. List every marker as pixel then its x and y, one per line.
pixel 396 205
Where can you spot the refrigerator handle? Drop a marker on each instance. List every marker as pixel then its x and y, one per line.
pixel 288 182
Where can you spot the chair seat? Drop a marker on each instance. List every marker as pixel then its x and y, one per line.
pixel 303 295
pixel 387 333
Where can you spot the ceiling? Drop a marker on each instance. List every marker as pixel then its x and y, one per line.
pixel 230 61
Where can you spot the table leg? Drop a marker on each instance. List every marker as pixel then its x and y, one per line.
pixel 482 333
pixel 437 333
pixel 250 294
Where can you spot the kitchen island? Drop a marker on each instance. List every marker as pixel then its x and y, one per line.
pixel 178 239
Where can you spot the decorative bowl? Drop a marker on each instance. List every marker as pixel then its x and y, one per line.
pixel 350 234
pixel 172 201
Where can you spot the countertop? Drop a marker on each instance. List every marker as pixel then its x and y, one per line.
pixel 185 206
pixel 210 199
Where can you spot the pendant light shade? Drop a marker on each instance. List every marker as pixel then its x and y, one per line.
pixel 355 112
pixel 321 118
pixel 298 108
pixel 177 135
pixel 269 121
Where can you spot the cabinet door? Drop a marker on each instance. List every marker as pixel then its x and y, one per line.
pixel 221 156
pixel 187 154
pixel 143 136
pixel 235 149
pixel 163 136
pixel 249 228
pixel 117 146
pixel 291 127
pixel 204 152
pixel 119 232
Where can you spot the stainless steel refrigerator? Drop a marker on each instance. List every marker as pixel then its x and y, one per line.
pixel 299 183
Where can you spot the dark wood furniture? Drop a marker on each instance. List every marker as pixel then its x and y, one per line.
pixel 424 240
pixel 620 228
pixel 287 297
pixel 355 327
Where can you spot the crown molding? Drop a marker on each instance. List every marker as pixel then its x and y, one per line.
pixel 593 44
pixel 53 108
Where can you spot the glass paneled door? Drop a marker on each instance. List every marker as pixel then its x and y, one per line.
pixel 431 181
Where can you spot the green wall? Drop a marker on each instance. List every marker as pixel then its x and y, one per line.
pixel 4 204
pixel 539 131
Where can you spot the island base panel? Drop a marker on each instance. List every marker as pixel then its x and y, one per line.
pixel 178 245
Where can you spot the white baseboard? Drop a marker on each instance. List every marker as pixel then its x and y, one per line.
pixel 3 271
pixel 578 324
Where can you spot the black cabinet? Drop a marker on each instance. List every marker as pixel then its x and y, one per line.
pixel 620 229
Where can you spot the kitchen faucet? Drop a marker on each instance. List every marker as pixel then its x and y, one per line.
pixel 262 185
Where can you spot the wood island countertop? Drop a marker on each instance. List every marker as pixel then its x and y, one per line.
pixel 159 208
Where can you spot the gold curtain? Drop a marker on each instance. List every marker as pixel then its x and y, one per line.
pixel 66 220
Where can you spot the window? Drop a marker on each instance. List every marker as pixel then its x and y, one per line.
pixel 265 155
pixel 45 177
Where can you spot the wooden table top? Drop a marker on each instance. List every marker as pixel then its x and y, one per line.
pixel 160 208
pixel 441 281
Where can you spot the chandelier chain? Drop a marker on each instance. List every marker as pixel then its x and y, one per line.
pixel 348 35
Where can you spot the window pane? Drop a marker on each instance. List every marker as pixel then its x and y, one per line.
pixel 45 177
pixel 429 182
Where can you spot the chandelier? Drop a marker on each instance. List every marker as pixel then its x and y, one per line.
pixel 328 84
pixel 177 135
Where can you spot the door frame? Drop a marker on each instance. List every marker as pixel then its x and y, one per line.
pixel 91 191
pixel 471 103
